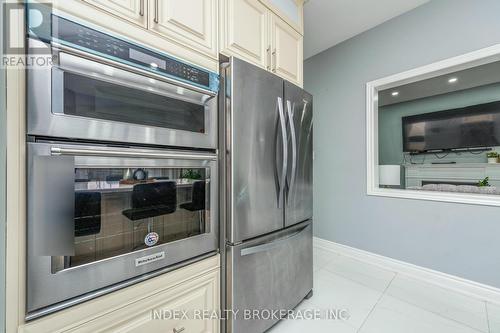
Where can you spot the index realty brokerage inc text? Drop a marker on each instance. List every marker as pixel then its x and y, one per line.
pixel 252 314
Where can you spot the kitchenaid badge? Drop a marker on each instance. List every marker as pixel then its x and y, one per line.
pixel 151 239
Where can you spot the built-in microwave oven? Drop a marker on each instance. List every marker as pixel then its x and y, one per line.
pixel 101 87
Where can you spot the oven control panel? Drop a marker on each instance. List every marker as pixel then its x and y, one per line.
pixel 80 36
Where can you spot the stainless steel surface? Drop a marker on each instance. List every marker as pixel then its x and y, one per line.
pixel 224 100
pixel 299 199
pixel 271 244
pixel 118 286
pixel 45 89
pixel 56 151
pixel 284 151
pixel 55 219
pixel 44 289
pixel 268 259
pixel 156 11
pixel 141 8
pixel 252 131
pixel 277 278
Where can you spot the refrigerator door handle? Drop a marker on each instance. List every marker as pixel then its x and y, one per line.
pixel 284 166
pixel 272 244
pixel 289 108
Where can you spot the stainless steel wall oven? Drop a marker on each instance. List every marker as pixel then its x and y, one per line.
pixel 122 174
pixel 100 87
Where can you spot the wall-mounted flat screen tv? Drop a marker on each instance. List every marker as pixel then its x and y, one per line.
pixel 475 126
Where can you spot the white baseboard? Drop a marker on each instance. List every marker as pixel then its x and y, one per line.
pixel 457 284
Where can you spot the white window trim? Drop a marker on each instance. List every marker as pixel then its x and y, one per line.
pixel 475 58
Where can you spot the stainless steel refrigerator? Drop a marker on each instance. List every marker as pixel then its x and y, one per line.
pixel 266 148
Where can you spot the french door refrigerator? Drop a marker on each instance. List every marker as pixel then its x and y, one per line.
pixel 267 202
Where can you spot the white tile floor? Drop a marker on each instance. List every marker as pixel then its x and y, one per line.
pixel 381 301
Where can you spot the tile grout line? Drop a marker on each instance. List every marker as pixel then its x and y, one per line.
pixel 417 305
pixel 326 264
pixel 487 316
pixel 385 267
pixel 409 302
pixel 376 303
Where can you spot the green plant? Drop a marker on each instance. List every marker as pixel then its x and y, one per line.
pixel 492 154
pixel 484 182
pixel 191 174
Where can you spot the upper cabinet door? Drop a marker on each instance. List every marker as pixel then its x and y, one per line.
pixel 244 31
pixel 292 11
pixel 287 52
pixel 134 11
pixel 190 22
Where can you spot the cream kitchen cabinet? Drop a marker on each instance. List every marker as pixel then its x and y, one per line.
pixel 155 306
pixel 244 31
pixel 292 11
pixel 253 32
pixel 185 29
pixel 134 11
pixel 287 51
pixel 190 22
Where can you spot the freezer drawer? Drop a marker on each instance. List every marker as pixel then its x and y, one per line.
pixel 273 272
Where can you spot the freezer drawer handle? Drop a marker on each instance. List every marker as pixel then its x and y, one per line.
pixel 272 244
pixel 55 151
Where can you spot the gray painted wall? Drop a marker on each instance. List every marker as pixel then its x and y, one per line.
pixel 390 124
pixel 458 239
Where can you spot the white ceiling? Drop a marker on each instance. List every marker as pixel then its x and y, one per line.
pixel 466 79
pixel 329 22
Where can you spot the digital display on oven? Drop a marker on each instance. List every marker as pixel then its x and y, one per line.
pixel 105 44
pixel 147 59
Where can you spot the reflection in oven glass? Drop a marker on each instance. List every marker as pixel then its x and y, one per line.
pixel 96 99
pixel 119 211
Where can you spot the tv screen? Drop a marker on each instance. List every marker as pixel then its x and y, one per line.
pixel 473 126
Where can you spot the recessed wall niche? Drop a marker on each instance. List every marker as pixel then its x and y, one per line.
pixel 434 132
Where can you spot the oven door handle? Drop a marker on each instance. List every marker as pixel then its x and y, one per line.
pixel 57 151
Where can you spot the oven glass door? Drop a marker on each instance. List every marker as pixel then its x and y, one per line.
pixel 98 216
pixel 121 210
pixel 99 99
pixel 94 90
